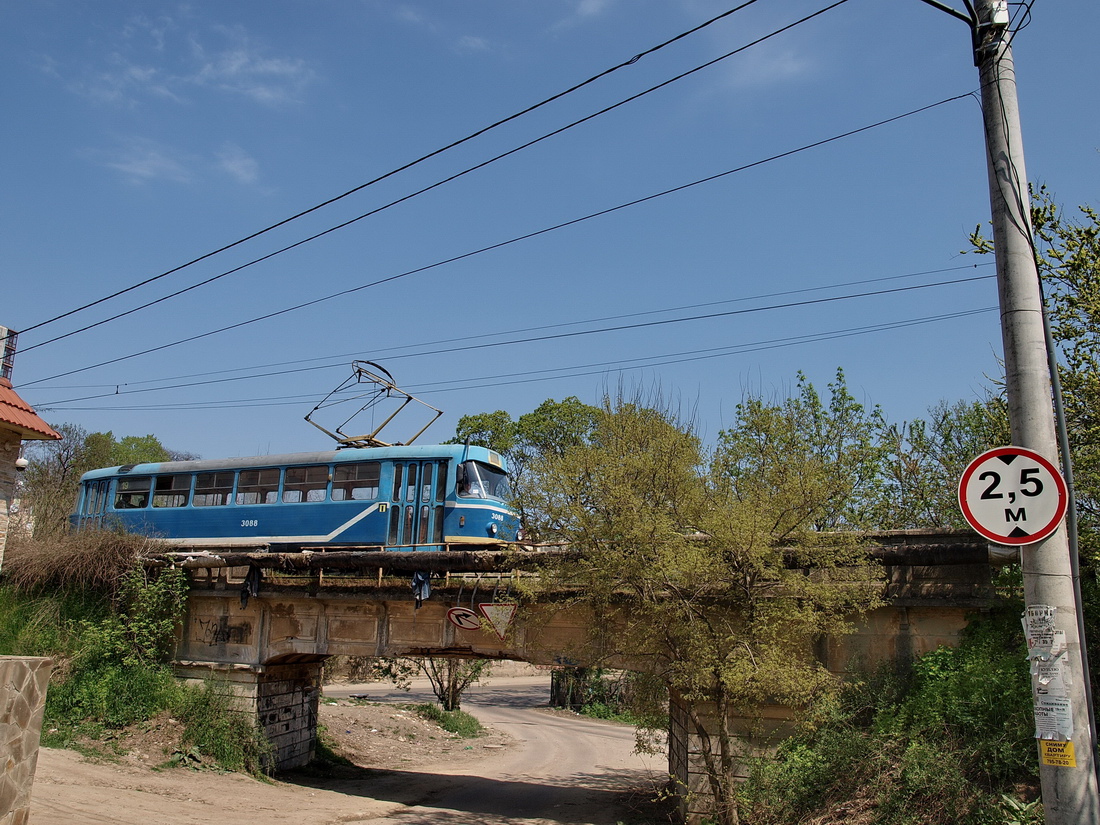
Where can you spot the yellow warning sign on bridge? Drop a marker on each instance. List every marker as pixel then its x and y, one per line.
pixel 1057 754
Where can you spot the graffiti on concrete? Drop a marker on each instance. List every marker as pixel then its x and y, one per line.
pixel 216 632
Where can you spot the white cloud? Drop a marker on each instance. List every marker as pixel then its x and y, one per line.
pixel 240 165
pixel 592 8
pixel 767 65
pixel 143 161
pixel 242 68
pixel 583 11
pixel 470 43
pixel 156 58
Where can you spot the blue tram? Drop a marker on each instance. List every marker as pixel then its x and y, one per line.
pixel 394 498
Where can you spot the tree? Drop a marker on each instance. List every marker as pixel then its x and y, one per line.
pixel 549 429
pixel 1067 252
pixel 495 430
pixel 449 676
pixel 684 570
pixel 804 463
pixel 926 458
pixel 52 477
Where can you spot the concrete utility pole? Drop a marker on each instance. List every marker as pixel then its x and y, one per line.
pixel 1068 773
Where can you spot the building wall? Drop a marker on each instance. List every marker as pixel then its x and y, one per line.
pixel 9 452
pixel 23 683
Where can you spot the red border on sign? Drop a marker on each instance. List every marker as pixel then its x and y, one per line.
pixel 1038 535
pixel 455 612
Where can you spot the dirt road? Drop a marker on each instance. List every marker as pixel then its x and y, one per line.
pixel 538 768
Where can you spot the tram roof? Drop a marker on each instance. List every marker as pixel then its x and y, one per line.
pixel 348 455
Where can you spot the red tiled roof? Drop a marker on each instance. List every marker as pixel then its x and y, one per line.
pixel 16 414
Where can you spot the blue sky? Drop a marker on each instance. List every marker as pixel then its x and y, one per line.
pixel 142 136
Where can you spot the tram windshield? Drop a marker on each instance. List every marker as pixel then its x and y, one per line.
pixel 482 481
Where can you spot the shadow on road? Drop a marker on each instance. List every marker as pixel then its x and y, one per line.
pixel 572 798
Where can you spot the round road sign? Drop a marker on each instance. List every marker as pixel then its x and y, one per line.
pixel 1012 495
pixel 463 618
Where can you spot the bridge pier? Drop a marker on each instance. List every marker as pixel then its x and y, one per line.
pixel 282 697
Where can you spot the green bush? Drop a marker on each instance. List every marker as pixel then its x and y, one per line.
pixel 948 742
pixel 111 696
pixel 111 645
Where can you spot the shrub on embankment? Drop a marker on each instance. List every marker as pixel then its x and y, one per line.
pixel 109 623
pixel 949 742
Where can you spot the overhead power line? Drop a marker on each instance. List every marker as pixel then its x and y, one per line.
pixel 633 60
pixel 505 243
pixel 575 371
pixel 340 359
pixel 616 328
pixel 430 187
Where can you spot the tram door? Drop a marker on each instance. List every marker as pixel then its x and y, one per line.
pixel 416 509
pixel 95 502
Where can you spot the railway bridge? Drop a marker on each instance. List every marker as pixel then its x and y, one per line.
pixel 265 622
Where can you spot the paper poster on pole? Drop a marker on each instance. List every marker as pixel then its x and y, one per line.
pixel 1058 754
pixel 1053 718
pixel 1043 639
pixel 1050 677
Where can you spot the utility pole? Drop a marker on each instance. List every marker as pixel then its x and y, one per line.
pixel 1067 772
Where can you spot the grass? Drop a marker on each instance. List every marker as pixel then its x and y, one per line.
pixel 457 722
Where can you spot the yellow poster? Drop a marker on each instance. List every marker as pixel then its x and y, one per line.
pixel 1058 754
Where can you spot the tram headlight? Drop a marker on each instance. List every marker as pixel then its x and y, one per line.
pixel 492 528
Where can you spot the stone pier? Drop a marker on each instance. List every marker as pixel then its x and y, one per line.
pixel 282 696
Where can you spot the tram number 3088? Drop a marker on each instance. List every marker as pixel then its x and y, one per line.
pixel 250 522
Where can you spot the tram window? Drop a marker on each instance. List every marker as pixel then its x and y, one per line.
pixel 476 480
pixel 422 536
pixel 171 491
pixel 410 483
pixel 395 523
pixel 426 482
pixel 94 498
pixel 90 503
pixel 132 493
pixel 305 483
pixel 258 486
pixel 397 473
pixel 356 482
pixel 438 536
pixel 440 482
pixel 212 489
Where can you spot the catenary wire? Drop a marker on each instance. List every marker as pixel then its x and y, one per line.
pixel 633 60
pixel 432 186
pixel 502 244
pixel 340 359
pixel 531 376
pixel 638 325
